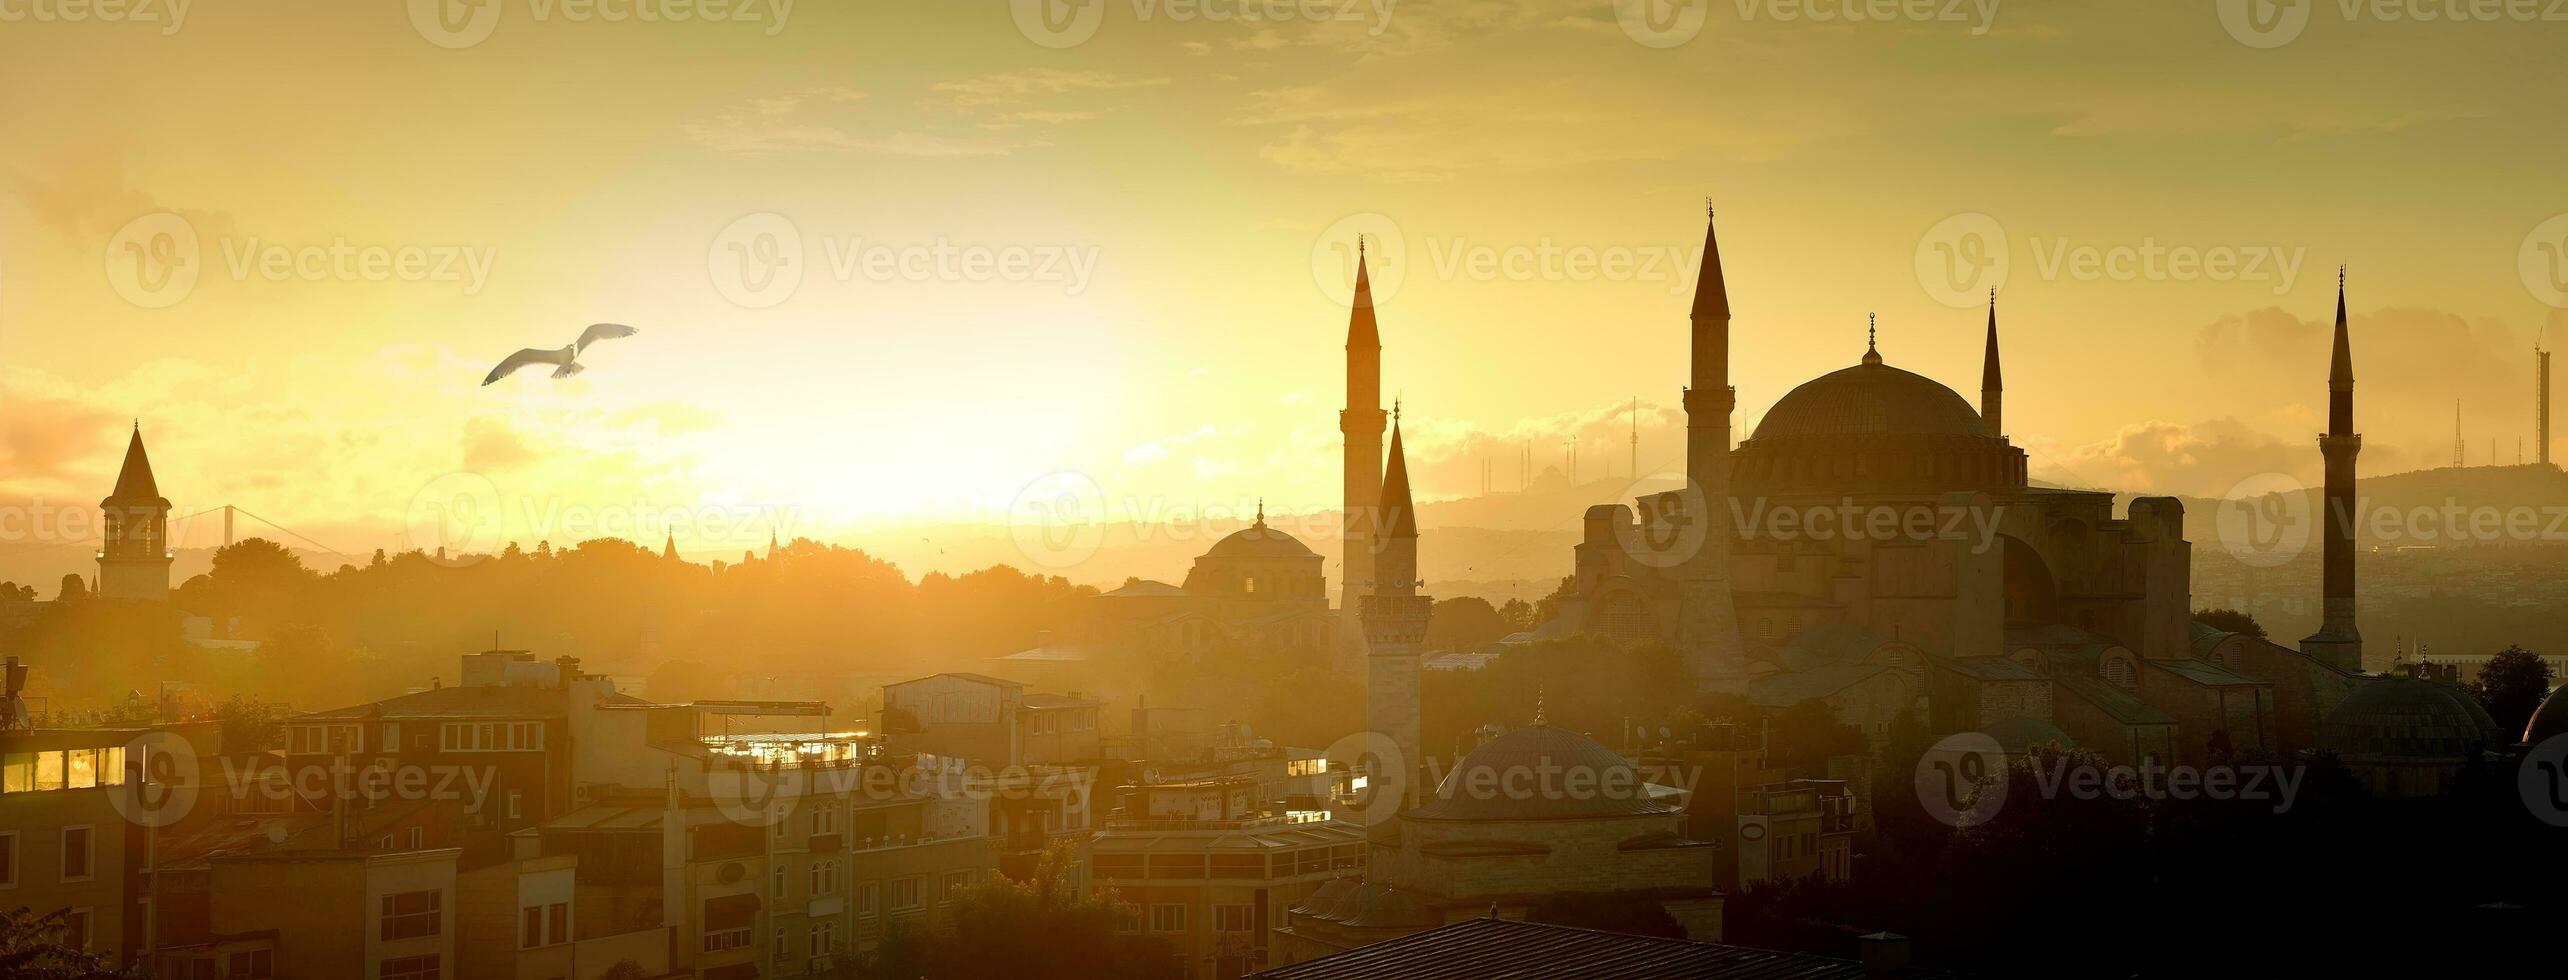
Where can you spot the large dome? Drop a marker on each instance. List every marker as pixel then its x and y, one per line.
pixel 1260 541
pixel 2548 720
pixel 2408 718
pixel 1540 773
pixel 1871 399
pixel 1874 428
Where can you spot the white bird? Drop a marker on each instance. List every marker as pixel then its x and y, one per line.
pixel 565 360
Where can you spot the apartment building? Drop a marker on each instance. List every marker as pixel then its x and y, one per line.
pixel 1212 867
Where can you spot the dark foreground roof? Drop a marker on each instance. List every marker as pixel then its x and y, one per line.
pixel 1505 949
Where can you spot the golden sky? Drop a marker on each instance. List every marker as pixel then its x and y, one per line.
pixel 1111 242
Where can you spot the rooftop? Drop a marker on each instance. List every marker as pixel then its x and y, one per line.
pixel 1501 949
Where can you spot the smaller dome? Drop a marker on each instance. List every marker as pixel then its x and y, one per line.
pixel 2408 718
pixel 1260 541
pixel 1540 773
pixel 2549 719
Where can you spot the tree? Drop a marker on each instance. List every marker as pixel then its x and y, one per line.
pixel 13 592
pixel 2511 686
pixel 250 725
pixel 1519 616
pixel 2230 621
pixel 1040 929
pixel 1463 623
pixel 33 946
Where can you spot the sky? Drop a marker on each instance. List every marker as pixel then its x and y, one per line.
pixel 899 264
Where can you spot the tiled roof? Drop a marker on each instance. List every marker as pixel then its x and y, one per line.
pixel 1504 949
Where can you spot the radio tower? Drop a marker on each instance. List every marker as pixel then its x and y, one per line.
pixel 2540 402
pixel 2458 447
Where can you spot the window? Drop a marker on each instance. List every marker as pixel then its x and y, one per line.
pixel 409 968
pixel 410 915
pixel 559 915
pixel 824 937
pixel 869 898
pixel 77 848
pixel 48 771
pixel 1167 918
pixel 781 951
pixel 18 772
pixel 544 925
pixel 251 964
pixel 824 877
pixel 715 942
pixel 824 818
pixel 776 881
pixel 516 802
pixel 1127 918
pixel 956 882
pixel 81 769
pixel 1234 918
pixel 507 736
pixel 75 929
pixel 530 927
pixel 905 892
pixel 9 859
pixel 415 837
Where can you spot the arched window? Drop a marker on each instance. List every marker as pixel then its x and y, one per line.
pixel 2118 672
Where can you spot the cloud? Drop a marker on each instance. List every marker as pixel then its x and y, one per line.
pixel 491 447
pixel 52 444
pixel 1018 88
pixel 80 191
pixel 2199 459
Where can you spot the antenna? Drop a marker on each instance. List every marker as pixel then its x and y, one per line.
pixel 1636 437
pixel 2458 447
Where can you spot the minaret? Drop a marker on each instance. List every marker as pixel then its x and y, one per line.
pixel 133 553
pixel 669 549
pixel 1395 624
pixel 1707 623
pixel 1361 423
pixel 2337 641
pixel 1992 388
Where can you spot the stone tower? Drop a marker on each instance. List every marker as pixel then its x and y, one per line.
pixel 133 553
pixel 2338 641
pixel 1992 387
pixel 1361 423
pixel 1395 624
pixel 1707 622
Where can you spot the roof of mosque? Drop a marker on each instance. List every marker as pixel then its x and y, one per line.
pixel 1540 773
pixel 1870 399
pixel 2548 720
pixel 1494 947
pixel 1260 541
pixel 2406 717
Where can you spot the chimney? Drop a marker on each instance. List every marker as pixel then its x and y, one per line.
pixel 1885 954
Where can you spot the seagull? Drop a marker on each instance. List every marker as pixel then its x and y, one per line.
pixel 565 359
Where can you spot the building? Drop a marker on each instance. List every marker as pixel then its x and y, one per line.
pixel 134 551
pixel 1762 822
pixel 1258 591
pixel 988 721
pixel 1955 585
pixel 1498 947
pixel 64 844
pixel 1211 865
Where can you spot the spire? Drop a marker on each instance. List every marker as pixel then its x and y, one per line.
pixel 1711 291
pixel 1989 374
pixel 1360 329
pixel 1872 338
pixel 1401 517
pixel 1261 512
pixel 2340 370
pixel 134 483
pixel 669 549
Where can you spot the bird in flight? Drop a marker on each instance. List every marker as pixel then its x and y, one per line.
pixel 565 360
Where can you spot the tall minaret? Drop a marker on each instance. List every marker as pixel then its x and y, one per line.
pixel 1395 623
pixel 134 555
pixel 2337 641
pixel 1361 423
pixel 1707 623
pixel 1992 388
